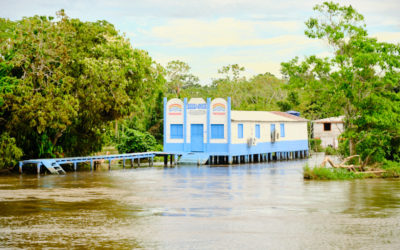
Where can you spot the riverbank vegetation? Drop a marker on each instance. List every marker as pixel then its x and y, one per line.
pixel 387 169
pixel 69 87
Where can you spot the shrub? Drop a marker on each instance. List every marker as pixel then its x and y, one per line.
pixel 9 152
pixel 392 169
pixel 315 145
pixel 330 151
pixel 137 141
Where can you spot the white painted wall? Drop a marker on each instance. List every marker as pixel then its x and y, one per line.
pixel 174 117
pixel 294 130
pixel 328 138
pixel 218 116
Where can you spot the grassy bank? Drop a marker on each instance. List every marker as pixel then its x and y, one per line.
pixel 391 170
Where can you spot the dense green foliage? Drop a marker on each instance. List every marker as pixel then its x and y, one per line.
pixel 261 92
pixel 63 81
pixel 361 80
pixel 9 151
pixel 136 141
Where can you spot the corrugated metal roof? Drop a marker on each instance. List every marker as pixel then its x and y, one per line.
pixel 330 119
pixel 264 116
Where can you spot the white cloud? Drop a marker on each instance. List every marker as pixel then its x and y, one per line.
pixel 226 32
pixel 390 37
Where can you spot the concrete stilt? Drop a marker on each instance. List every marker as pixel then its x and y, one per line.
pixel 38 168
pixel 75 166
pixel 170 160
pixel 175 160
pixel 20 167
pixel 109 165
pixel 91 164
pixel 132 163
pixel 230 159
pixel 123 163
pixel 138 162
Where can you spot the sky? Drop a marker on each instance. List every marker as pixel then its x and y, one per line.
pixel 210 34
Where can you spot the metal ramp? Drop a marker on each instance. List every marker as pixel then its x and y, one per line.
pixel 194 158
pixel 53 167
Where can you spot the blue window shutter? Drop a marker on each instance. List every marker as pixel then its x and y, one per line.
pixel 176 131
pixel 240 131
pixel 282 130
pixel 217 131
pixel 258 130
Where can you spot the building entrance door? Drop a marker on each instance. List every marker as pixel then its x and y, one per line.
pixel 197 137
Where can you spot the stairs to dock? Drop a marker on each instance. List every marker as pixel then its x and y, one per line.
pixel 53 167
pixel 194 158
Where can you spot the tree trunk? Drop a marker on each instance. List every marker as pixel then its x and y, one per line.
pixel 352 147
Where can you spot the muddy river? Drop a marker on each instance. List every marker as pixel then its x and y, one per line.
pixel 252 206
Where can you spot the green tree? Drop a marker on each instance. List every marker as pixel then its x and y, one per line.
pixel 10 153
pixel 359 80
pixel 64 80
pixel 179 78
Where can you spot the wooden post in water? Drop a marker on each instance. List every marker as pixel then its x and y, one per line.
pixel 38 168
pixel 165 160
pixel 109 164
pixel 123 163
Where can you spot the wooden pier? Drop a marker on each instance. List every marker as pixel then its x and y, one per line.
pixel 54 165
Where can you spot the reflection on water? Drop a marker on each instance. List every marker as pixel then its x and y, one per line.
pixel 256 206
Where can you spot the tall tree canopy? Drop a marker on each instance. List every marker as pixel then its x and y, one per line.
pixel 360 80
pixel 179 78
pixel 62 80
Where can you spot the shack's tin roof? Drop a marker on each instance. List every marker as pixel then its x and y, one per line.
pixel 265 116
pixel 337 119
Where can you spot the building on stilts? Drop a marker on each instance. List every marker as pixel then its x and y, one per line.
pixel 209 132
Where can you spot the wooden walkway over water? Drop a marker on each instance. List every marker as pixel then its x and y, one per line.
pixel 54 165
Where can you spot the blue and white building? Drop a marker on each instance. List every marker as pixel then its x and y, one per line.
pixel 209 131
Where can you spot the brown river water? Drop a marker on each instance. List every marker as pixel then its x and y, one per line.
pixel 253 206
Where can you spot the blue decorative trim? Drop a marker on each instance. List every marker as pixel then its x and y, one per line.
pixel 268 147
pixel 185 148
pixel 229 125
pixel 165 123
pixel 208 123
